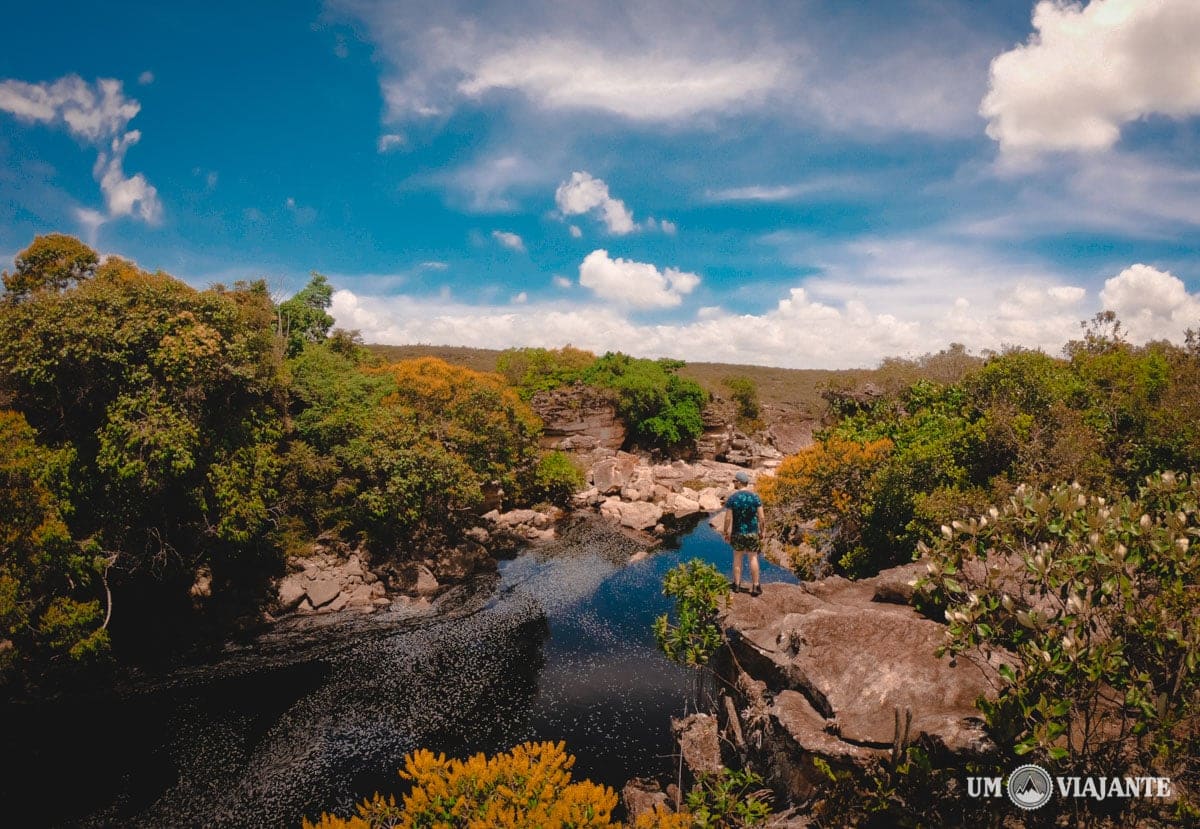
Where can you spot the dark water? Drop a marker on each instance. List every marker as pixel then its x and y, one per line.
pixel 317 714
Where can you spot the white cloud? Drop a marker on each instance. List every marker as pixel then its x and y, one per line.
pixel 563 74
pixel 98 115
pixel 583 193
pixel 487 185
pixel 576 233
pixel 126 195
pixel 509 240
pixel 825 323
pixel 673 62
pixel 1150 303
pixel 521 298
pixel 562 282
pixel 146 78
pixel 390 141
pixel 634 284
pixel 1088 70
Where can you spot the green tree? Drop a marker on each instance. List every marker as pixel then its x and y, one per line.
pixel 304 318
pixel 744 392
pixel 661 408
pixel 170 403
pixel 50 601
pixel 52 262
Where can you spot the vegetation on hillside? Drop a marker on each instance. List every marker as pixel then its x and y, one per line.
pixel 153 432
pixel 661 408
pixel 893 468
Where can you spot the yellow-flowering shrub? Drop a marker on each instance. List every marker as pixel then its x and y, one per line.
pixel 529 786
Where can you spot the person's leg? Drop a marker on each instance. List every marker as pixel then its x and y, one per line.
pixel 753 569
pixel 737 569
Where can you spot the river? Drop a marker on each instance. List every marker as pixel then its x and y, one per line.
pixel 319 712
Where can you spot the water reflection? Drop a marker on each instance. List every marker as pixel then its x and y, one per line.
pixel 314 716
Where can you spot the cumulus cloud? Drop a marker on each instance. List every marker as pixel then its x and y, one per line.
pixel 97 114
pixel 583 193
pixel 634 284
pixel 576 233
pixel 1150 303
pixel 146 78
pixel 509 240
pixel 1088 70
pixel 822 324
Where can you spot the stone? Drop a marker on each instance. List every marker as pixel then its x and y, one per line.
pixel 856 662
pixel 426 584
pixel 699 743
pixel 640 555
pixel 682 505
pixel 291 592
pixel 639 515
pixel 202 586
pixel 577 418
pixel 709 499
pixel 323 591
pixel 642 797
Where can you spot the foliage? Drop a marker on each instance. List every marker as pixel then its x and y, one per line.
pixel 1107 416
pixel 729 799
pixel 1100 618
pixel 304 318
pixel 168 400
pixel 554 480
pixel 661 408
pixel 52 262
pixel 697 588
pixel 531 370
pixel 744 392
pixel 529 787
pixel 48 601
pixel 822 496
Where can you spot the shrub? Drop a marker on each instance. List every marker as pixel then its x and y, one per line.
pixel 555 479
pixel 728 799
pixel 1096 600
pixel 744 392
pixel 529 787
pixel 822 496
pixel 661 408
pixel 697 588
pixel 532 370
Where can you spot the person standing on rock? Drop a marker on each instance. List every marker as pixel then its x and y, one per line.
pixel 744 525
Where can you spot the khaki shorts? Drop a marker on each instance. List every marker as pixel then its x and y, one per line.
pixel 745 543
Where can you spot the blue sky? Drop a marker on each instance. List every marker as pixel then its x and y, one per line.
pixel 800 184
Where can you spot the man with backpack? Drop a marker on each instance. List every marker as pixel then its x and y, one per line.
pixel 744 525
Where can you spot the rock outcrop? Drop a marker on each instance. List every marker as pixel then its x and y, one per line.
pixel 834 669
pixel 331 579
pixel 578 418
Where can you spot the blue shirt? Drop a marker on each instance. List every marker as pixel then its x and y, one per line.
pixel 744 506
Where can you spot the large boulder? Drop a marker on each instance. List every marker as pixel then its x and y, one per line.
pixel 840 673
pixel 639 515
pixel 578 418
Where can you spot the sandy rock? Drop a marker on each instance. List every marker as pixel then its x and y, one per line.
pixel 642 797
pixel 640 555
pixel 323 591
pixel 855 662
pixel 291 591
pixel 698 743
pixel 639 515
pixel 681 505
pixel 578 418
pixel 709 499
pixel 427 584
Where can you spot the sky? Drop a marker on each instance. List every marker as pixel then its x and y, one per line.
pixel 798 184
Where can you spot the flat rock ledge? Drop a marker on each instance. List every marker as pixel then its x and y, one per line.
pixel 828 668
